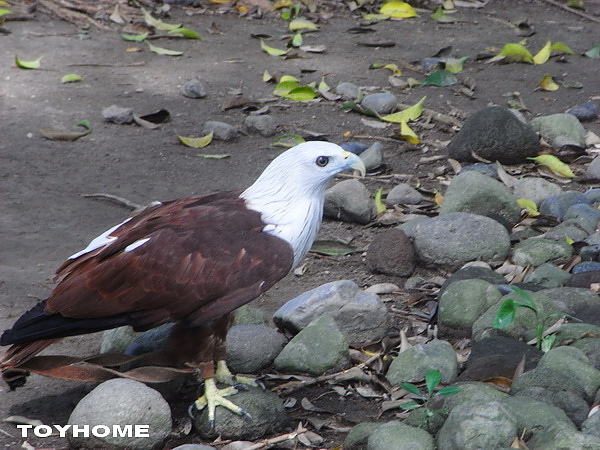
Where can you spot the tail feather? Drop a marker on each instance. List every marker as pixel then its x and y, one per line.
pixel 16 355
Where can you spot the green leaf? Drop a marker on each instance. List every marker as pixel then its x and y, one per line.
pixel 412 113
pixel 525 296
pixel 71 78
pixel 28 64
pixel 213 155
pixel 593 52
pixel 186 33
pixel 4 11
pixel 332 248
pixel 544 54
pixel 301 93
pixel 284 87
pixel 134 37
pixel 449 390
pixel 548 342
pixel 410 388
pixel 454 65
pixel 196 142
pixel 297 40
pixel 302 24
pixel 409 406
pixel 272 50
pixel 505 315
pixel 85 124
pixel 440 78
pixel 163 51
pixel 379 205
pixel 158 24
pixel 561 48
pixel 432 379
pixel 288 140
pixel 516 52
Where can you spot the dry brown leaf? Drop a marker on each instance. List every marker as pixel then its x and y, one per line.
pixel 504 176
pixel 502 383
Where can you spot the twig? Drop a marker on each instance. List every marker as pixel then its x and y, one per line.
pixel 278 439
pixel 574 11
pixel 115 199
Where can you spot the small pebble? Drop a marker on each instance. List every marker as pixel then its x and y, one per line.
pixel 262 124
pixel 193 88
pixel 222 131
pixel 381 103
pixel 347 90
pixel 585 112
pixel 117 114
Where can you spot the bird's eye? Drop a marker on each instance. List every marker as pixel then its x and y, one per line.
pixel 322 161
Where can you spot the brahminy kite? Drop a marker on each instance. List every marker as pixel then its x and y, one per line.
pixel 190 261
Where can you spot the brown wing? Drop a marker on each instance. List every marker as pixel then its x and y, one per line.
pixel 203 257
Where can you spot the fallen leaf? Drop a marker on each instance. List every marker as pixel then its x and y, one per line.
pixel 302 24
pixel 516 53
pixel 297 40
pixel 397 10
pixel 158 24
pixel 593 52
pixel 379 205
pixel 28 64
pixel 186 33
pixel 71 78
pixel 555 165
pixel 332 248
pixel 562 48
pixel 408 134
pixel 163 51
pixel 454 65
pixel 287 141
pixel 529 206
pixel 548 84
pixel 272 50
pixel 196 142
pixel 440 78
pixel 313 48
pixel 213 155
pixel 134 37
pixel 412 113
pixel 68 136
pixel 4 11
pixel 542 56
pixel 392 67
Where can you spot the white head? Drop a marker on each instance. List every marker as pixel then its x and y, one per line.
pixel 290 192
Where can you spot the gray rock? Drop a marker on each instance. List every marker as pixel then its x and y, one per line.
pixel 586 215
pixel 584 279
pixel 463 302
pixel 560 129
pixel 413 364
pixel 478 425
pixel 535 189
pixel 117 340
pixel 582 304
pixel 221 130
pixel 471 273
pixel 249 315
pixel 593 169
pixel 251 348
pixel 262 124
pixel 586 266
pixel 320 347
pixel 473 391
pixel 361 315
pixel 575 407
pixel 391 253
pixel 347 90
pixel 489 170
pixel 267 415
pixel 122 402
pixel 118 114
pixel 354 147
pixel 591 347
pixel 357 437
pixel 557 205
pixel 373 156
pixel 452 240
pixel 349 201
pixel 548 275
pixel 150 341
pixel 194 447
pixel 381 103
pixel 399 436
pixel 593 195
pixel 537 251
pixel 495 134
pixel 591 426
pixel 536 416
pixel 585 112
pixel 570 228
pixel 193 88
pixel 570 333
pixel 561 437
pixel 403 194
pixel 474 193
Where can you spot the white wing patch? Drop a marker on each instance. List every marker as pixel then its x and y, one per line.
pixel 100 241
pixel 136 244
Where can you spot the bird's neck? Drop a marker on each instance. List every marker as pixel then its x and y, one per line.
pixel 292 215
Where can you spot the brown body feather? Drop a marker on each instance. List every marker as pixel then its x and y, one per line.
pixel 204 257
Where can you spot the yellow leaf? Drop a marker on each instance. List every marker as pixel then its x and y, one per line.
pixel 283 4
pixel 561 48
pixel 163 51
pixel 158 24
pixel 379 205
pixel 542 56
pixel 555 165
pixel 408 134
pixel 267 76
pixel 398 10
pixel 272 50
pixel 71 78
pixel 28 64
pixel 516 52
pixel 528 206
pixel 438 199
pixel 412 113
pixel 569 241
pixel 197 142
pixel 548 84
pixel 301 24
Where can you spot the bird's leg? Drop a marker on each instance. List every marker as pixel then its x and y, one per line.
pixel 224 375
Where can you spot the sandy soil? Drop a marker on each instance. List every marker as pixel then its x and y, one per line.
pixel 44 217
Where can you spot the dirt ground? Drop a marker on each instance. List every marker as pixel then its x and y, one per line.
pixel 44 217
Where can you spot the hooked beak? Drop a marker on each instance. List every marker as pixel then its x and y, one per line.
pixel 354 162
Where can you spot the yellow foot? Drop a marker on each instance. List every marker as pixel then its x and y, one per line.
pixel 214 397
pixel 224 375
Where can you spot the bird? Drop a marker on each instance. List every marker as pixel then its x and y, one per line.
pixel 192 262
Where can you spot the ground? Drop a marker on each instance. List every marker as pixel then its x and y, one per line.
pixel 45 218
